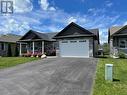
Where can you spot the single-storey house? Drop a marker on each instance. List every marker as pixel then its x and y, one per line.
pixel 8 45
pixel 72 41
pixel 117 39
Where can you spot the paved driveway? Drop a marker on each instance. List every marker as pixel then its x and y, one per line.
pixel 54 76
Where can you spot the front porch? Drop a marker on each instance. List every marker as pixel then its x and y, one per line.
pixel 36 48
pixel 117 45
pixel 31 48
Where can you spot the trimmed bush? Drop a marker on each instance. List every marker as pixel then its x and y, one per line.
pixel 122 55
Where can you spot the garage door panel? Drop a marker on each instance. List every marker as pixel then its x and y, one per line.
pixel 74 49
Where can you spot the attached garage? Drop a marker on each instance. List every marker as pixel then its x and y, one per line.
pixel 75 41
pixel 74 48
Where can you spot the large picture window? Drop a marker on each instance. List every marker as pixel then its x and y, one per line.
pixel 123 43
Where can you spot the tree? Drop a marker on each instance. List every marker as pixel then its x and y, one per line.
pixel 106 49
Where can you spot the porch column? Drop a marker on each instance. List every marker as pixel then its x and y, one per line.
pixel 111 47
pixel 33 47
pixel 42 47
pixel 27 48
pixel 20 51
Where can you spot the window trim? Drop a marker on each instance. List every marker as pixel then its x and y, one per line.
pixel 81 41
pixel 74 41
pixel 64 41
pixel 125 40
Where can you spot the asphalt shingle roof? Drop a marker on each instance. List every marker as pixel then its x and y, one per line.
pixel 94 31
pixel 48 36
pixel 9 38
pixel 114 29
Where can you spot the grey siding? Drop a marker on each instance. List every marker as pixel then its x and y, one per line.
pixel 5 51
pixel 91 47
pixel 95 47
pixel 114 44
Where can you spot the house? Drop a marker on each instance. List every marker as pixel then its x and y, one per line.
pixel 75 41
pixel 36 43
pixel 117 38
pixel 72 41
pixel 8 44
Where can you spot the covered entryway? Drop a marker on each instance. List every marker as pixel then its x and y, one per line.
pixel 74 48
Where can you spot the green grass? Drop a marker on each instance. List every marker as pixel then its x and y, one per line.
pixel 102 87
pixel 13 61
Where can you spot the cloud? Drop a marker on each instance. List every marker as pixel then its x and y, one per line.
pixel 21 6
pixel 125 23
pixel 71 19
pixel 52 9
pixel 109 3
pixel 96 11
pixel 50 19
pixel 10 25
pixel 46 6
pixel 103 35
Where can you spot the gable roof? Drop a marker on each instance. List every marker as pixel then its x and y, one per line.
pixel 114 29
pixel 42 36
pixel 12 38
pixel 74 30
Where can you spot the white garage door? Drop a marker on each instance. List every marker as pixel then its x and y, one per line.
pixel 74 48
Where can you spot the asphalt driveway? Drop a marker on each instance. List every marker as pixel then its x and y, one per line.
pixel 52 76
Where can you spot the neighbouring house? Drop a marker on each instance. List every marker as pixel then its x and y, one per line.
pixel 36 43
pixel 117 38
pixel 8 45
pixel 75 41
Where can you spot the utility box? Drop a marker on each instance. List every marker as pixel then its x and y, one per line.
pixel 109 72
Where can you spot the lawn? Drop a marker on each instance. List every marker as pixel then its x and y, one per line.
pixel 13 61
pixel 119 85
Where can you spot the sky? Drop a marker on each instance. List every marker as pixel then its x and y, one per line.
pixel 54 15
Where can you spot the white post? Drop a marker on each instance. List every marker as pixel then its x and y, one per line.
pixel 111 47
pixel 42 47
pixel 33 47
pixel 109 72
pixel 20 53
pixel 27 48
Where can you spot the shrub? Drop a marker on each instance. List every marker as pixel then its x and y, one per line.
pixel 106 48
pixel 122 55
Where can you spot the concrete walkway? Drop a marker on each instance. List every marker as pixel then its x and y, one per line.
pixel 51 76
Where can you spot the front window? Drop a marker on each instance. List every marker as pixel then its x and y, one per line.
pixel 123 43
